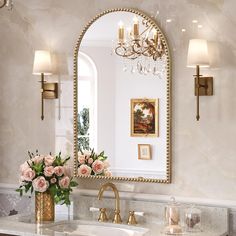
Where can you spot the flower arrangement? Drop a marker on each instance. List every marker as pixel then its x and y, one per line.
pixel 91 163
pixel 47 173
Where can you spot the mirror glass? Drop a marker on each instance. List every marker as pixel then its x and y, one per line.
pixel 122 99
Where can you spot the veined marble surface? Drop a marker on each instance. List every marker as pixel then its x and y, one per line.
pixel 18 225
pixel 203 152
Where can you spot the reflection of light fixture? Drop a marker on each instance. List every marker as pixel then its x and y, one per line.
pixel 6 3
pixel 198 57
pixel 135 44
pixel 43 66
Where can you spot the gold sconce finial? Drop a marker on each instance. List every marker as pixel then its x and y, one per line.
pixel 198 57
pixel 43 66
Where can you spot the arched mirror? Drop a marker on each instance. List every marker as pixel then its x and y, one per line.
pixel 122 92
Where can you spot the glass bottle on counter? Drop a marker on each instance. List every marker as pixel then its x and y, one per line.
pixel 193 219
pixel 172 218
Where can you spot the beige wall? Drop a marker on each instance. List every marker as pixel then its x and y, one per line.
pixel 204 152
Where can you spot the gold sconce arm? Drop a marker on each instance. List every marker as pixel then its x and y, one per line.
pixel 203 87
pixel 198 87
pixel 42 103
pixel 48 91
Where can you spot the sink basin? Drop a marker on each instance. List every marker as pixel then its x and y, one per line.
pixel 90 228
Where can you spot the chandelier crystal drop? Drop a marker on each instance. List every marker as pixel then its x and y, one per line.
pixel 143 48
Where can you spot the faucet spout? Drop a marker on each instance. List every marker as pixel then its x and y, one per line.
pixel 117 218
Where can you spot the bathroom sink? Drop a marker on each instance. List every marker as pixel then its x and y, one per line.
pixel 90 228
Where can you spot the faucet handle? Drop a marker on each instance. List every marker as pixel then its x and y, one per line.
pixel 117 218
pixel 131 219
pixel 103 216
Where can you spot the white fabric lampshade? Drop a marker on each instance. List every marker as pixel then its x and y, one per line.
pixel 42 63
pixel 197 53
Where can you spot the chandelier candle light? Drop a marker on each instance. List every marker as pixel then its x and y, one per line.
pixel 137 44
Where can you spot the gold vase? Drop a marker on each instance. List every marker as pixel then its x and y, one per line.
pixel 44 207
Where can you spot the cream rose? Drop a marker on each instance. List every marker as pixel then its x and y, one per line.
pixel 67 171
pixel 40 184
pixel 48 171
pixel 59 170
pixel 37 159
pixel 81 159
pixel 107 173
pixel 64 182
pixel 87 154
pixel 48 160
pixel 98 167
pixel 106 164
pixel 84 170
pixel 24 166
pixel 28 174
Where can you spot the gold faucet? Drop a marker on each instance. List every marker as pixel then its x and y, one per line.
pixel 117 218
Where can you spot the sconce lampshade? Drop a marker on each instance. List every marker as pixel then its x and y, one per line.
pixel 197 53
pixel 42 63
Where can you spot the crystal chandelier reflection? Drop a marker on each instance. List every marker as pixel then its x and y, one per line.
pixel 6 3
pixel 142 52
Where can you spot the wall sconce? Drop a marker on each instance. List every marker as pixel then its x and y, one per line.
pixel 43 66
pixel 198 57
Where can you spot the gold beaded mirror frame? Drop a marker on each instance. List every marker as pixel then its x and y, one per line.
pixel 166 115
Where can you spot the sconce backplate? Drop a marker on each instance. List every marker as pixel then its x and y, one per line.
pixel 50 90
pixel 206 86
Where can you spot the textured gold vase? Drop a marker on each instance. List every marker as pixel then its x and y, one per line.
pixel 44 207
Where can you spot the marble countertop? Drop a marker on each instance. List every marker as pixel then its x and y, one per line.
pixel 25 226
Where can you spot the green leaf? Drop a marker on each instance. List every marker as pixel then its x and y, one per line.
pixel 73 184
pixel 53 189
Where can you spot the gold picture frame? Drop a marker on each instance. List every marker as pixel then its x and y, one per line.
pixel 144 152
pixel 144 117
pixel 168 80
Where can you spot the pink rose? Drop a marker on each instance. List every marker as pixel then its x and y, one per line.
pixel 90 160
pixel 48 171
pixel 59 170
pixel 84 170
pixel 28 174
pixel 24 166
pixel 68 171
pixel 81 159
pixel 53 180
pixel 98 167
pixel 64 182
pixel 40 184
pixel 48 160
pixel 37 159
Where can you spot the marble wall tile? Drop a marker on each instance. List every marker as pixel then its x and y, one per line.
pixel 203 152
